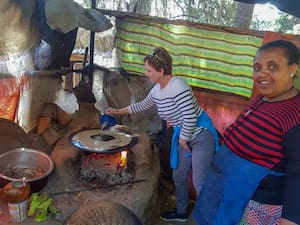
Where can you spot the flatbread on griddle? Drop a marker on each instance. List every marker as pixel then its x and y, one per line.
pixel 100 140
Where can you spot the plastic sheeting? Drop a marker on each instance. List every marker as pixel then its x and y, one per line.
pixel 210 59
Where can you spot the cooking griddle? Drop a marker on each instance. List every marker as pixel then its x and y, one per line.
pixel 100 141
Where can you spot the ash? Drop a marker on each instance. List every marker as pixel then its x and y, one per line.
pixel 105 169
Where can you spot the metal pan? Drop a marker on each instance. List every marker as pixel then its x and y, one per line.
pixel 101 141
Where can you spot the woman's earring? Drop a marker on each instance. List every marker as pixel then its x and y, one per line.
pixel 291 75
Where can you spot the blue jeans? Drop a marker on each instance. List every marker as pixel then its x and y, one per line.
pixel 203 147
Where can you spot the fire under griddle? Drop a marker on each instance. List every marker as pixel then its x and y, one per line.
pixel 107 168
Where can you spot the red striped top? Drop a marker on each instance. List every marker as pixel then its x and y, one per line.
pixel 258 133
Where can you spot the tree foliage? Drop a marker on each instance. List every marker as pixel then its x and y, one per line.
pixel 216 12
pixel 257 24
pixel 285 23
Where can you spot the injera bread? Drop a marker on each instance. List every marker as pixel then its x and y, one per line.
pixel 87 140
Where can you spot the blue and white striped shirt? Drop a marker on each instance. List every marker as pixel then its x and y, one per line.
pixel 175 104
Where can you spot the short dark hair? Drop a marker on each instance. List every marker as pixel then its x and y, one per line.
pixel 160 59
pixel 291 50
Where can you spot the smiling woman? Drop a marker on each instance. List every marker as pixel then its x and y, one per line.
pixel 256 160
pixel 274 73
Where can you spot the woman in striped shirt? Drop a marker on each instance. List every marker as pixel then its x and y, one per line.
pixel 255 177
pixel 194 140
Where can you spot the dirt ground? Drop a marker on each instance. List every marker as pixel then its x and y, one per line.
pixel 169 204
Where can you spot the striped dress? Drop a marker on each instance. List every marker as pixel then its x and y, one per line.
pixel 175 104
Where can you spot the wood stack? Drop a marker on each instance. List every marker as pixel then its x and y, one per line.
pixel 52 123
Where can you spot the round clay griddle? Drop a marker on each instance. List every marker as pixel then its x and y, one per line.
pixel 100 141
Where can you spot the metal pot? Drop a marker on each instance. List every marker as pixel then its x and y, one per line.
pixel 25 164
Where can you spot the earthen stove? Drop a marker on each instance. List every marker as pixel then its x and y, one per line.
pixel 80 179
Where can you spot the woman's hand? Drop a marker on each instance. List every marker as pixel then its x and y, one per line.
pixel 114 111
pixel 184 145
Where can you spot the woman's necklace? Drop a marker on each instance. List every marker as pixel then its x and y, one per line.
pixel 263 100
pixel 280 97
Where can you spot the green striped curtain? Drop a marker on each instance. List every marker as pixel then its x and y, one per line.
pixel 214 60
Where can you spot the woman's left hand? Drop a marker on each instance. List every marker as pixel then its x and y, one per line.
pixel 184 145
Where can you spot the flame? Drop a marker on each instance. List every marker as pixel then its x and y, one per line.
pixel 123 158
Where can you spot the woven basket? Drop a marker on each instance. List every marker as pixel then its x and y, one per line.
pixel 103 213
